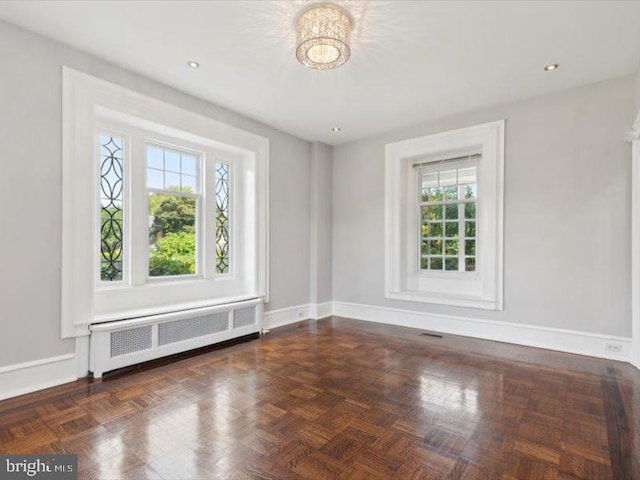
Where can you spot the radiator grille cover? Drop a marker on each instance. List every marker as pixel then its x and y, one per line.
pixel 130 341
pixel 119 343
pixel 179 330
pixel 244 317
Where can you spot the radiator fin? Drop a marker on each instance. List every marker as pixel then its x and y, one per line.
pixel 187 328
pixel 130 341
pixel 244 317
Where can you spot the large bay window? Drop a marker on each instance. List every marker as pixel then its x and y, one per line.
pixel 444 201
pixel 162 209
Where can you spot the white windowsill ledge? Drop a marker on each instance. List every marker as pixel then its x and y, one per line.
pixel 451 300
pixel 178 307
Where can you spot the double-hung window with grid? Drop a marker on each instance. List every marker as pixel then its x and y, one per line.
pixel 174 201
pixel 448 195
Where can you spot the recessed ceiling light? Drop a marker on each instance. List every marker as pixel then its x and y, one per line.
pixel 193 64
pixel 552 67
pixel 336 129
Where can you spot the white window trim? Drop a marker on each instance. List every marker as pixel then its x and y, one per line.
pixel 85 100
pixel 483 290
pixel 633 136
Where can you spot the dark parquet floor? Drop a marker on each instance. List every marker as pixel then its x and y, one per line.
pixel 344 399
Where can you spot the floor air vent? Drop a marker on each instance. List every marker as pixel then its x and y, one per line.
pixel 431 334
pixel 127 342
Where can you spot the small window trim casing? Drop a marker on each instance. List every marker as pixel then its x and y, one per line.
pixel 482 289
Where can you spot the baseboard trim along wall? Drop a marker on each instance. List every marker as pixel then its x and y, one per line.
pixel 287 316
pixel 570 341
pixel 36 375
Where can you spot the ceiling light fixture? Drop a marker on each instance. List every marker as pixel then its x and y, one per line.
pixel 193 64
pixel 552 67
pixel 336 129
pixel 324 33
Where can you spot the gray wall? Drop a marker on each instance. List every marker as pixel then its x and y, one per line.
pixel 567 211
pixel 30 135
pixel 320 192
pixel 567 203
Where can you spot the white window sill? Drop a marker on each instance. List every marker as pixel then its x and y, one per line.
pixel 144 312
pixel 454 301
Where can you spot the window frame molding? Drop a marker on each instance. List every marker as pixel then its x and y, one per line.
pixel 482 290
pixel 85 99
pixel 633 136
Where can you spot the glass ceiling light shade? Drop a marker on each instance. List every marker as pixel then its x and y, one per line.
pixel 324 33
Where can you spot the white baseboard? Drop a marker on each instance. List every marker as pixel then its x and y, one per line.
pixel 285 316
pixel 320 310
pixel 298 313
pixel 35 375
pixel 571 341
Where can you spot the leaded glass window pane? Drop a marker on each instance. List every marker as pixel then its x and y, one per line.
pixel 111 208
pixel 222 217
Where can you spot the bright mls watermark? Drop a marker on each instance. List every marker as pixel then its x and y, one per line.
pixel 36 467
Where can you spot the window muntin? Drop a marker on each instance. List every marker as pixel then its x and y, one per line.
pixel 222 217
pixel 173 170
pixel 448 195
pixel 173 187
pixel 111 216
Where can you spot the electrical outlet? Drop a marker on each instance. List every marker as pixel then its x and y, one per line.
pixel 300 314
pixel 613 347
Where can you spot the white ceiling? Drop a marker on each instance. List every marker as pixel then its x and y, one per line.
pixel 411 61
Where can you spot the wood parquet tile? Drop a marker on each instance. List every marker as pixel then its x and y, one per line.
pixel 343 399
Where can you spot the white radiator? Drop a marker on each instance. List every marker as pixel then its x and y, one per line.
pixel 127 342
